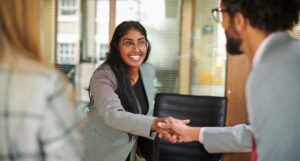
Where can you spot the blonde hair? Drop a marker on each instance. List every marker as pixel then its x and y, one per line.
pixel 19 28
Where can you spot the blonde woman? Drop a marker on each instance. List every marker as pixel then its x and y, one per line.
pixel 36 113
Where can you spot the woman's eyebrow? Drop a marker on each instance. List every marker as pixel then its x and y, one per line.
pixel 129 39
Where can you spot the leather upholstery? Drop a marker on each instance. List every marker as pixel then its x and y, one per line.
pixel 202 111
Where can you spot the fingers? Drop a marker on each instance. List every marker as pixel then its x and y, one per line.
pixel 164 125
pixel 173 138
pixel 169 121
pixel 165 134
pixel 171 124
pixel 186 121
pixel 171 129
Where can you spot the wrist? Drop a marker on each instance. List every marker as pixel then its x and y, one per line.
pixel 194 133
pixel 154 125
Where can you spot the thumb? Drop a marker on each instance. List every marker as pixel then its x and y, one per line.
pixel 186 121
pixel 162 125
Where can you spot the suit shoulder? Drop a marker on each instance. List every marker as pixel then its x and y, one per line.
pixel 105 74
pixel 104 70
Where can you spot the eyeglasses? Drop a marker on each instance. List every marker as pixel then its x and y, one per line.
pixel 141 44
pixel 217 14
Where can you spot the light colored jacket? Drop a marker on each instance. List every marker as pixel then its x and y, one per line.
pixel 107 126
pixel 273 90
pixel 228 139
pixel 37 117
pixel 273 100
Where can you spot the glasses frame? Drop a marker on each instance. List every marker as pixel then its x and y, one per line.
pixel 217 14
pixel 135 44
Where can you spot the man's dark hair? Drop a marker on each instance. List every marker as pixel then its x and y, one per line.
pixel 267 15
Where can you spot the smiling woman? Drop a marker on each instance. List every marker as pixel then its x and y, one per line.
pixel 133 53
pixel 121 94
pixel 125 62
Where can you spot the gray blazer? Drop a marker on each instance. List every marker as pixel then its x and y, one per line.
pixel 273 92
pixel 107 126
pixel 273 100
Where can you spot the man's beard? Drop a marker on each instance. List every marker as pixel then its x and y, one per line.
pixel 233 45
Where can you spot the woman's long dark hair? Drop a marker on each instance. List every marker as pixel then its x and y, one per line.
pixel 120 69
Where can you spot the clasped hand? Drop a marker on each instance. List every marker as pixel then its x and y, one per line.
pixel 175 130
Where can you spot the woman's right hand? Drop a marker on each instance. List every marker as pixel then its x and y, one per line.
pixel 166 132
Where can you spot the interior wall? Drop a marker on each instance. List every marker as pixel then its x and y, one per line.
pixel 238 69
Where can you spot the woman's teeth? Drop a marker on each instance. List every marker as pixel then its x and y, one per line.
pixel 135 57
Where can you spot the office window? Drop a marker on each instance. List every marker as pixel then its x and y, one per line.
pixel 68 32
pixel 102 30
pixel 208 52
pixel 187 45
pixel 67 53
pixel 101 50
pixel 68 7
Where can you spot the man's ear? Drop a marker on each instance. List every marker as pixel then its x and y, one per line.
pixel 239 21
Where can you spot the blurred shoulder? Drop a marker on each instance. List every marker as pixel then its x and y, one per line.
pixel 26 69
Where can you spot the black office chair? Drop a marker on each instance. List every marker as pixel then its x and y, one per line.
pixel 202 111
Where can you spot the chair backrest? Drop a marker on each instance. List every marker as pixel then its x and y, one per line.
pixel 202 111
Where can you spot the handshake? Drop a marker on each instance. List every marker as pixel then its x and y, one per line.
pixel 175 130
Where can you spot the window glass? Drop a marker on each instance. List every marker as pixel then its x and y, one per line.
pixel 209 54
pixel 68 32
pixel 68 7
pixel 102 30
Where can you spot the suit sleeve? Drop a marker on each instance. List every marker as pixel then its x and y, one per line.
pixel 108 105
pixel 228 139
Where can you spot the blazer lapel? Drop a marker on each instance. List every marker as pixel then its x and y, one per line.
pixel 147 87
